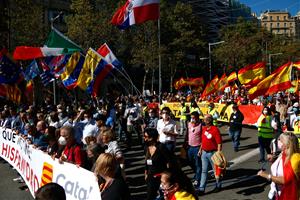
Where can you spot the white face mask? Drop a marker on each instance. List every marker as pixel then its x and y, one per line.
pixel 265 112
pixel 193 120
pixel 279 144
pixel 164 116
pixel 62 140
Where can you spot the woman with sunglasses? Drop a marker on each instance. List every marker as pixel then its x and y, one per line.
pixel 285 171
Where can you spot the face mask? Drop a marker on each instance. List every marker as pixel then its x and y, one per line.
pixel 265 112
pixel 234 111
pixel 151 114
pixel 62 141
pixel 193 120
pixel 295 109
pixel 164 116
pixel 279 144
pixel 209 107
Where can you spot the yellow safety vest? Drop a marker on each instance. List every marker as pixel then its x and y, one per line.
pixel 212 112
pixel 183 113
pixel 265 129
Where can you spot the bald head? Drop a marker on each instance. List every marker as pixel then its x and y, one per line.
pixel 41 126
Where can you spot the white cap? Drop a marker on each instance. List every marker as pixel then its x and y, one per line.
pixel 296 104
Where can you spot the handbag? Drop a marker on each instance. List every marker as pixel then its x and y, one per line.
pixel 219 159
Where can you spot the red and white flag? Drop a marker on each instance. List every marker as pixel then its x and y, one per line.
pixel 29 53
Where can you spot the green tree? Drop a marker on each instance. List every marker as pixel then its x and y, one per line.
pixel 27 26
pixel 181 35
pixel 88 24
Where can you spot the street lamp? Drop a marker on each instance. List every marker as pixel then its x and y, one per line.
pixel 270 61
pixel 209 55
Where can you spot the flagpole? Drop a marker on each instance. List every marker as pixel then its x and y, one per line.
pixel 159 62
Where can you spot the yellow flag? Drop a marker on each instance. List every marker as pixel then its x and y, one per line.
pixel 70 66
pixel 91 61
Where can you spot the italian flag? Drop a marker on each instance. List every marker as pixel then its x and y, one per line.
pixel 29 53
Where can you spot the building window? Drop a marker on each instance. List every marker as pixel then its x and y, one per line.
pixel 284 31
pixel 278 25
pixel 265 24
pixel 277 18
pixel 271 25
pixel 284 18
pixel 284 25
pixel 271 18
pixel 278 30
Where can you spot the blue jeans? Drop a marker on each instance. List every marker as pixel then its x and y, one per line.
pixel 235 137
pixel 206 159
pixel 195 161
pixel 264 144
pixel 170 146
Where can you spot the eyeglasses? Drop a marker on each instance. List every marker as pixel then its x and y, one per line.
pixel 166 189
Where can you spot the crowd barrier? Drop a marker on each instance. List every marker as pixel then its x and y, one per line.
pixel 251 112
pixel 38 168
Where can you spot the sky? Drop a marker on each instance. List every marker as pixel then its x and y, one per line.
pixel 293 6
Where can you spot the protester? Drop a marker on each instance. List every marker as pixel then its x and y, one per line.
pixel 152 119
pixel 184 112
pixel 93 152
pixel 214 113
pixel 50 191
pixel 157 160
pixel 176 186
pixel 211 142
pixel 193 139
pixel 235 126
pixel 113 188
pixel 166 128
pixel 265 133
pixel 72 152
pixel 285 171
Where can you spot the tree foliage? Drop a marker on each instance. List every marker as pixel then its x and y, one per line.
pixel 27 26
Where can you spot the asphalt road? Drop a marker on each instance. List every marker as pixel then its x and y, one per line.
pixel 240 181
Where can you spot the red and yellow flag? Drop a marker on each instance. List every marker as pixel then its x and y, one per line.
pixel 232 77
pixel 263 86
pixel 282 81
pixel 195 82
pixel 222 83
pixel 252 74
pixel 210 87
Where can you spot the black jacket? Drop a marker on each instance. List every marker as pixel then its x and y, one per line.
pixel 235 121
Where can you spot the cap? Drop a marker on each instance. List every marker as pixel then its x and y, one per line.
pixel 296 104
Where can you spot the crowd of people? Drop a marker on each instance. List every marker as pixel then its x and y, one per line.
pixel 89 136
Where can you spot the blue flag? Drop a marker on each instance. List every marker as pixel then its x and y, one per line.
pixel 31 71
pixel 9 71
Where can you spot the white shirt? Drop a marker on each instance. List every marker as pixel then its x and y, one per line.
pixel 90 129
pixel 276 170
pixel 166 127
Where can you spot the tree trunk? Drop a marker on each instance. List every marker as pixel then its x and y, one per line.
pixel 152 83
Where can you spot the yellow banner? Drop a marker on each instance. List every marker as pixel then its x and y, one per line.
pixel 223 110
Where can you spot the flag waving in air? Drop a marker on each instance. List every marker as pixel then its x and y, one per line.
pixel 136 12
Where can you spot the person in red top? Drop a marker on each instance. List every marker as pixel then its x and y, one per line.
pixel 72 152
pixel 211 142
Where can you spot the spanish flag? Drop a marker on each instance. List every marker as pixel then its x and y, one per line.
pixel 232 77
pixel 252 74
pixel 210 87
pixel 282 81
pixel 297 65
pixel 263 86
pixel 222 83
